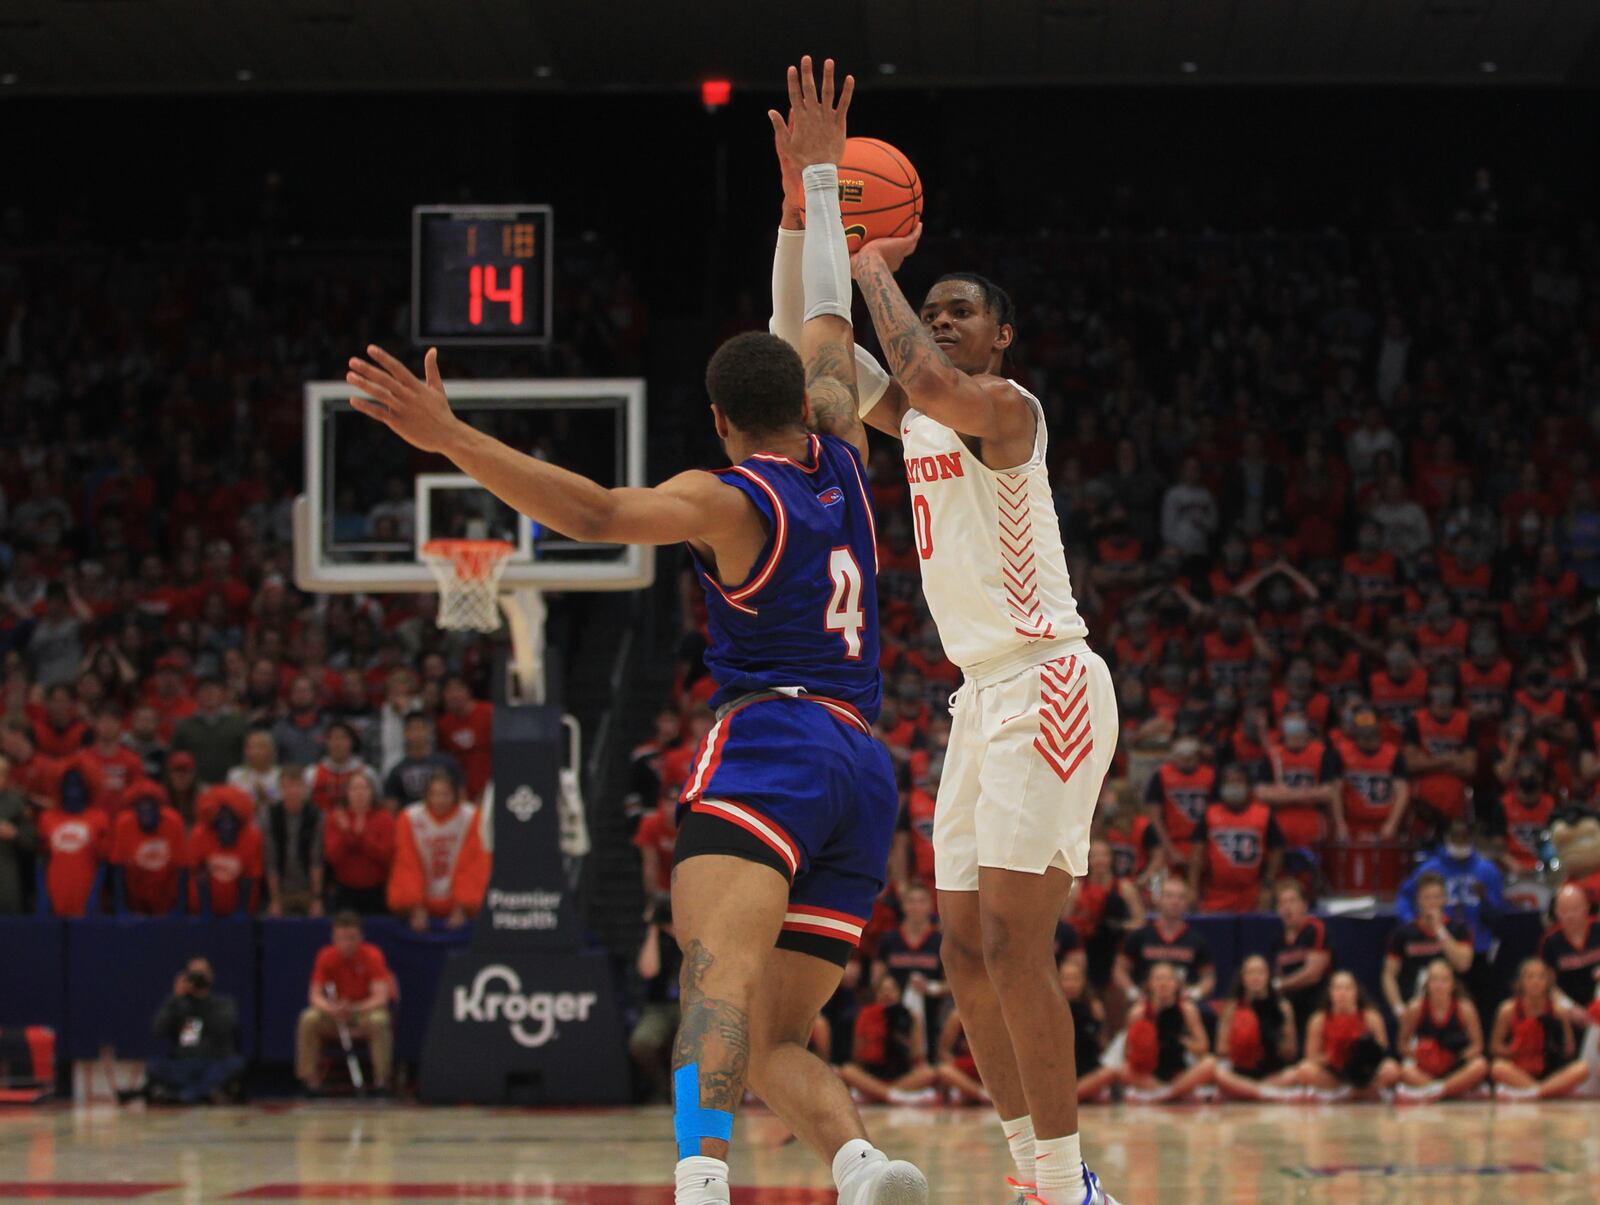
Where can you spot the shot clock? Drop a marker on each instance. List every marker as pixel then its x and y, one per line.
pixel 480 274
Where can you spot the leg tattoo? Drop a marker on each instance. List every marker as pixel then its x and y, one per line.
pixel 715 1034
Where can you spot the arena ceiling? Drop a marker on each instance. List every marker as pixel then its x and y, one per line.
pixel 125 46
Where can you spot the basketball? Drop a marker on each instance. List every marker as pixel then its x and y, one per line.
pixel 880 193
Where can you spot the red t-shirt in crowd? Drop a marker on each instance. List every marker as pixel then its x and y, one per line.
pixel 225 868
pixel 59 742
pixel 75 844
pixel 469 738
pixel 359 858
pixel 656 831
pixel 351 977
pixel 150 861
pixel 109 775
pixel 919 823
pixel 329 782
pixel 38 777
pixel 676 765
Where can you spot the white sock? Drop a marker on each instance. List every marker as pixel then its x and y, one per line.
pixel 1060 1176
pixel 702 1180
pixel 1019 1137
pixel 852 1159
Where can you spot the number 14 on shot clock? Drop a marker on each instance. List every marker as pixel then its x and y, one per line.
pixel 480 274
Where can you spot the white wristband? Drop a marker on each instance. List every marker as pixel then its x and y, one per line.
pixel 871 381
pixel 825 258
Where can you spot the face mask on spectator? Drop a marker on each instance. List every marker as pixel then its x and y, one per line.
pixel 1234 792
pixel 1459 852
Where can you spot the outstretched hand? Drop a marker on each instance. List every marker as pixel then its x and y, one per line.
pixel 794 190
pixel 892 251
pixel 815 131
pixel 417 411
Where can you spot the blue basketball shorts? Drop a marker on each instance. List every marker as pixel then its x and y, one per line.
pixel 799 784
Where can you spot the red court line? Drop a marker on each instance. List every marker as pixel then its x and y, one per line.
pixel 565 1194
pixel 49 1190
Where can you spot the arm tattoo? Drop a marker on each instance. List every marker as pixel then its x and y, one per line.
pixel 713 1033
pixel 831 389
pixel 907 345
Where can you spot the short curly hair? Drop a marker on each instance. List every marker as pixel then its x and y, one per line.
pixel 758 383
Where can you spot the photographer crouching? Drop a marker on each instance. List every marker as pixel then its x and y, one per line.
pixel 201 1032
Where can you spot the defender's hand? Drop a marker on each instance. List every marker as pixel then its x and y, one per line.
pixel 892 251
pixel 794 191
pixel 417 411
pixel 814 132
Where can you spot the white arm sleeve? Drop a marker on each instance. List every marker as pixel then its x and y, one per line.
pixel 824 257
pixel 788 290
pixel 871 380
pixel 789 315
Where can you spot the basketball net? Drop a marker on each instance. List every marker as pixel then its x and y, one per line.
pixel 468 573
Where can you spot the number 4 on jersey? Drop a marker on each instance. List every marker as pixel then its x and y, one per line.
pixel 844 608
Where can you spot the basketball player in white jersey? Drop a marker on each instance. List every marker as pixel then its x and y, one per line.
pixel 1034 725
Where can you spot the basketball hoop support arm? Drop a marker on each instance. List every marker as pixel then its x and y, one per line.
pixel 524 610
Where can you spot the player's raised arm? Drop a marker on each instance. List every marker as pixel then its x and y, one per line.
pixel 812 140
pixel 880 400
pixel 976 403
pixel 692 506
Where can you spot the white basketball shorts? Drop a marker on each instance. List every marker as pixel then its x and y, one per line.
pixel 1023 771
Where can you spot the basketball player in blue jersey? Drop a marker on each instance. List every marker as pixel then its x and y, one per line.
pixel 786 820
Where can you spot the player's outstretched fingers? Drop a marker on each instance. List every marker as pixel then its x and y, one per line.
pixel 398 370
pixel 845 93
pixel 372 381
pixel 373 410
pixel 430 368
pixel 796 97
pixel 827 84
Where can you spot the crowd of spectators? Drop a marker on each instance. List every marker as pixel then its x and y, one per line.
pixel 1330 504
pixel 180 728
pixel 1330 508
pixel 207 819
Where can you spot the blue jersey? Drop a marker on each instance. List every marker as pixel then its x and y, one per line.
pixel 1474 891
pixel 807 614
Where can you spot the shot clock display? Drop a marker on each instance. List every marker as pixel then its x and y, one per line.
pixel 480 274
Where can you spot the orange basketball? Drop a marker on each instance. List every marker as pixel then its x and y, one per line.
pixel 880 193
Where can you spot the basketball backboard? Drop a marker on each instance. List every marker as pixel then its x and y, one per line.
pixel 372 501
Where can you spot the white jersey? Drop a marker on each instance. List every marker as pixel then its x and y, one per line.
pixel 439 845
pixel 993 568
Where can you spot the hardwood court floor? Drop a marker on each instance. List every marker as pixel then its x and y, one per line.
pixel 1470 1154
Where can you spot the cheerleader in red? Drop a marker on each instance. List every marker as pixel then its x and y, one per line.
pixel 1256 1039
pixel 1534 1054
pixel 1165 1048
pixel 1443 1037
pixel 1347 1046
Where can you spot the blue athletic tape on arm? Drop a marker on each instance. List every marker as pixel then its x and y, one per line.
pixel 691 1123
